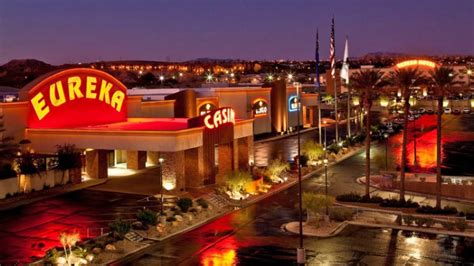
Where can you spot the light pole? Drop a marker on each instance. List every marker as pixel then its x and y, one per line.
pixel 325 161
pixel 161 160
pixel 300 252
pixel 385 135
pixel 325 134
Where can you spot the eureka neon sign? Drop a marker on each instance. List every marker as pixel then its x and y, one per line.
pixel 219 117
pixel 77 97
pixel 418 62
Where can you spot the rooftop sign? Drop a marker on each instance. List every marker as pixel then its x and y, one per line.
pixel 417 62
pixel 77 97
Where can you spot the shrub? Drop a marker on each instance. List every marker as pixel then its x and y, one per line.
pixel 430 222
pixel 6 171
pixel 447 210
pixel 448 225
pixel 171 219
pixel 147 216
pixel 371 199
pixel 203 203
pixel 316 202
pixel 461 225
pixel 304 160
pixel 312 150
pixel 341 215
pixel 276 168
pixel 184 204
pixel 68 157
pixel 119 228
pixel 350 197
pixel 408 219
pixel 395 203
pixel 236 182
pixel 420 221
pixel 334 148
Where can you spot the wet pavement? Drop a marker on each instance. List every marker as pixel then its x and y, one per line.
pixel 253 236
pixel 30 230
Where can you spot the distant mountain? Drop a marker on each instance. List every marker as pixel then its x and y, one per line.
pixel 211 60
pixel 384 55
pixel 19 72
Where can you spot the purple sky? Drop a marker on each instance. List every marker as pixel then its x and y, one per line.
pixel 63 31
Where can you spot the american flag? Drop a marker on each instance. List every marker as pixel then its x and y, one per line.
pixel 332 55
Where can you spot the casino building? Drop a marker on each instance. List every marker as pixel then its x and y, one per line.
pixel 200 133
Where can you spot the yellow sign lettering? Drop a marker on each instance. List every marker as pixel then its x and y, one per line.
pixel 39 105
pixel 117 100
pixel 105 88
pixel 56 88
pixel 90 87
pixel 74 87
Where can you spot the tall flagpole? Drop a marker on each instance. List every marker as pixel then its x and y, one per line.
pixel 332 58
pixel 318 86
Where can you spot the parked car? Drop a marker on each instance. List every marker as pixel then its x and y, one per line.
pixel 466 110
pixel 456 112
pixel 430 111
pixel 422 110
pixel 447 110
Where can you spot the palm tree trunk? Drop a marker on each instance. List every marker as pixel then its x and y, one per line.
pixel 438 152
pixel 404 150
pixel 367 152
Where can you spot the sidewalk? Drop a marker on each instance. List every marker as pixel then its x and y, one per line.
pixel 31 197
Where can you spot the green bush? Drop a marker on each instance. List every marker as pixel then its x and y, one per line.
pixel 304 160
pixel 371 199
pixel 430 222
pixel 341 215
pixel 184 204
pixel 147 217
pixel 203 203
pixel 349 197
pixel 396 203
pixel 420 221
pixel 333 148
pixel 448 225
pixel 408 219
pixel 461 225
pixel 427 209
pixel 119 228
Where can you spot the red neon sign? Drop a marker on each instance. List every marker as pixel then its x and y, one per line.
pixel 219 117
pixel 77 97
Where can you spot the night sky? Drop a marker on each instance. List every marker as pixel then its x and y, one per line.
pixel 64 31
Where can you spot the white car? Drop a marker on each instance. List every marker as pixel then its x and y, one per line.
pixel 466 110
pixel 447 110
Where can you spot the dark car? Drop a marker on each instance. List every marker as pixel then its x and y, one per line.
pixel 430 111
pixel 456 112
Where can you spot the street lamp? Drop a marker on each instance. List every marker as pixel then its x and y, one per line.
pixel 324 122
pixel 300 252
pixel 385 135
pixel 325 161
pixel 161 160
pixel 161 79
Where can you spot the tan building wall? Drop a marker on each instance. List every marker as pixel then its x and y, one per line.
pixel 15 119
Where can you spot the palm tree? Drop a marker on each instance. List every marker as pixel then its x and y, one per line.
pixel 443 79
pixel 405 79
pixel 365 82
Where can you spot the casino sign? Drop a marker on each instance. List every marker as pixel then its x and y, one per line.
pixel 260 108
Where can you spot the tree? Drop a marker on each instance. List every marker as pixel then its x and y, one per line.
pixel 312 149
pixel 68 158
pixel 443 79
pixel 405 79
pixel 366 83
pixel 315 204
